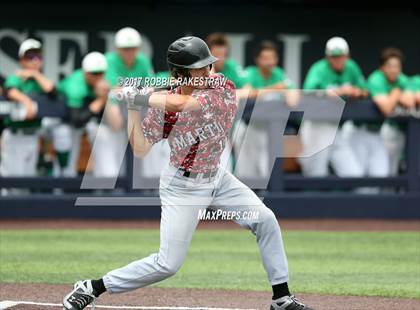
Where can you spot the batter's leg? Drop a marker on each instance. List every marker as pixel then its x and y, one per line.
pixel 232 195
pixel 179 219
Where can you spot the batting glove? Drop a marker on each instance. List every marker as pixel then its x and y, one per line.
pixel 134 97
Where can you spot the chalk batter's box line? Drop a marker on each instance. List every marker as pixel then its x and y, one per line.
pixel 9 303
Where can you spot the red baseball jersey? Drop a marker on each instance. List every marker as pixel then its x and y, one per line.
pixel 196 138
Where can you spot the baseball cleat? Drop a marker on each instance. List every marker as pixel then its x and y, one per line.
pixel 288 303
pixel 80 297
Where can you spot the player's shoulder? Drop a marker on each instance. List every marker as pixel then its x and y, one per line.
pixel 219 80
pixel 352 64
pixel 320 64
pixel 278 71
pixel 12 79
pixel 376 76
pixel 251 70
pixel 415 81
pixel 231 63
pixel 403 78
pixel 376 81
pixel 111 56
pixel 251 73
pixel 75 79
pixel 76 76
pixel 142 58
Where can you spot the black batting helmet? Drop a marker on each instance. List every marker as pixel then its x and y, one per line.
pixel 188 53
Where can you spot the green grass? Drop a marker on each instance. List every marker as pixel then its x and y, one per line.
pixel 341 263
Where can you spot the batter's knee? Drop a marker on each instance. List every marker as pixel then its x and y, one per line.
pixel 268 217
pixel 266 222
pixel 170 270
pixel 170 267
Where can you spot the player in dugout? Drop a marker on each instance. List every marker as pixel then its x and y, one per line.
pixel 20 139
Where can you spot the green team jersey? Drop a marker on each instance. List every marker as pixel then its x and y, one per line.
pixel 142 67
pixel 414 83
pixel 163 75
pixel 75 89
pixel 322 76
pixel 378 84
pixel 29 86
pixel 256 80
pixel 234 72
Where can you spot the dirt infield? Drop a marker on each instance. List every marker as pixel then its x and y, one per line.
pixel 196 298
pixel 286 224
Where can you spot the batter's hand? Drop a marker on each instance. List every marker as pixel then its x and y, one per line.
pixel 133 97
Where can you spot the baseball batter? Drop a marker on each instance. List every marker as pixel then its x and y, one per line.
pixel 196 120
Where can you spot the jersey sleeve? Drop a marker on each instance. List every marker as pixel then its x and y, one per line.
pixel 414 83
pixel 403 82
pixel 249 76
pixel 111 76
pixel 312 80
pixel 153 125
pixel 283 78
pixel 376 86
pixel 145 66
pixel 238 77
pixel 13 81
pixel 149 66
pixel 74 98
pixel 360 80
pixel 217 99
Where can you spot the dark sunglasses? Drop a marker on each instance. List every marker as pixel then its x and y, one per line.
pixel 97 73
pixel 33 56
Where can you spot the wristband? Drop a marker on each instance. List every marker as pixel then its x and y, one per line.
pixel 142 100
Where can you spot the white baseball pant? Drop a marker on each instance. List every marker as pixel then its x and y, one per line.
pixel 108 149
pixel 182 199
pixel 370 151
pixel 19 153
pixel 340 154
pixel 394 140
pixel 255 146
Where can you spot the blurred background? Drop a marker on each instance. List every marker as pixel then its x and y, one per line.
pixel 54 93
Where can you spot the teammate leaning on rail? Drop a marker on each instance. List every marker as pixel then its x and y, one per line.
pixel 196 121
pixel 20 139
pixel 86 93
pixel 266 80
pixel 129 61
pixel 337 75
pixel 415 87
pixel 390 90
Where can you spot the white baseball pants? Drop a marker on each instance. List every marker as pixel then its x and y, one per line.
pixel 19 154
pixel 182 199
pixel 340 154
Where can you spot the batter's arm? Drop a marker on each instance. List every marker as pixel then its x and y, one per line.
pixel 174 102
pixel 138 141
